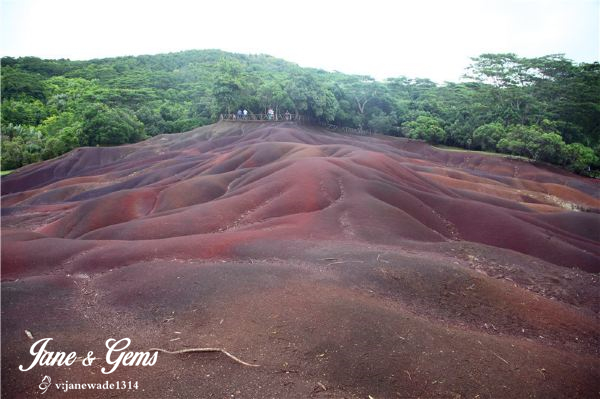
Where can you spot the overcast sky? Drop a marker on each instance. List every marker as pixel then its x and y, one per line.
pixel 421 38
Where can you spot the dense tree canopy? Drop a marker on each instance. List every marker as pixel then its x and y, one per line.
pixel 545 108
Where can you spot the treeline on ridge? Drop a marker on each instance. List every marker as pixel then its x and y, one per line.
pixel 546 108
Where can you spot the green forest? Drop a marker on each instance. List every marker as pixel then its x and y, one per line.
pixel 546 109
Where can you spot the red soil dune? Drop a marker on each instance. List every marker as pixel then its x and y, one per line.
pixel 363 265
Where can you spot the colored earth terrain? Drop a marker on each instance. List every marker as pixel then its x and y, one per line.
pixel 344 266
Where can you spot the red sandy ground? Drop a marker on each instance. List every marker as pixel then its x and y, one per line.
pixel 345 266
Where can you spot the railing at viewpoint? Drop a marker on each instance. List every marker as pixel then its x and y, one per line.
pixel 251 117
pixel 262 117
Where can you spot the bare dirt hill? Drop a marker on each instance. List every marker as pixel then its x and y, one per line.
pixel 345 266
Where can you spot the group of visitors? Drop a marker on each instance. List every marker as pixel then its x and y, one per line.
pixel 271 114
pixel 242 114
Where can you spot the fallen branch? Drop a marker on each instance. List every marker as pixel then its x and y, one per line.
pixel 191 350
pixel 499 357
pixel 344 261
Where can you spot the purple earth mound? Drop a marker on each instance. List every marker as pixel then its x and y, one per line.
pixel 345 266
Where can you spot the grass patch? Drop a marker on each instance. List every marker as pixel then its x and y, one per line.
pixel 5 172
pixel 497 154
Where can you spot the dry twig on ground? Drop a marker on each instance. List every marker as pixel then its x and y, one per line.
pixel 192 350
